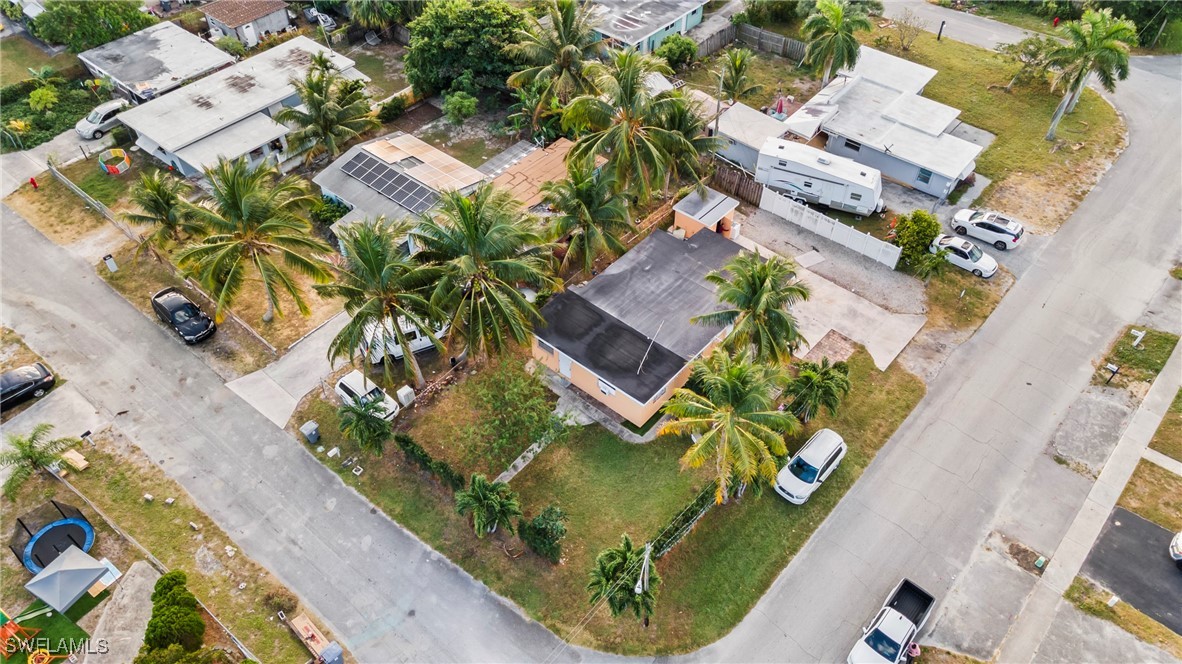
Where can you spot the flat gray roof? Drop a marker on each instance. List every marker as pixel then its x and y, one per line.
pixel 233 141
pixel 219 100
pixel 156 59
pixel 748 126
pixel 631 21
pixel 707 209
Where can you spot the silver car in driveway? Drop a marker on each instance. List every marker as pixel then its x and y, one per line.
pixel 811 466
pixel 101 120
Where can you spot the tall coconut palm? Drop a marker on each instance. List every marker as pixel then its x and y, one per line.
pixel 487 247
pixel 1097 44
pixel 363 422
pixel 254 224
pixel 685 157
pixel 732 419
pixel 28 455
pixel 491 504
pixel 830 34
pixel 380 284
pixel 559 52
pixel 736 74
pixel 625 121
pixel 759 294
pixel 614 577
pixel 591 213
pixel 818 386
pixel 334 111
pixel 161 199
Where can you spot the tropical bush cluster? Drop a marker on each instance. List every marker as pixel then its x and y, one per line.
pixel 175 616
pixel 40 108
pixel 437 467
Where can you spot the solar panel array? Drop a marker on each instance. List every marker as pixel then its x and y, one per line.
pixel 394 185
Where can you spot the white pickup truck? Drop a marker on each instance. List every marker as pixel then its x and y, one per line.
pixel 888 637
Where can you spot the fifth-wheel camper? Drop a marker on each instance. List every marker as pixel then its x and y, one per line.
pixel 809 175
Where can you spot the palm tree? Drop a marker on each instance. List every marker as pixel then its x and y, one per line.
pixel 733 419
pixel 735 75
pixel 492 504
pixel 626 120
pixel 818 386
pixel 1095 44
pixel 685 157
pixel 614 578
pixel 374 14
pixel 592 214
pixel 830 34
pixel 44 77
pixel 364 424
pixel 30 454
pixel 334 111
pixel 760 294
pixel 161 197
pixel 253 218
pixel 381 284
pixel 487 247
pixel 558 54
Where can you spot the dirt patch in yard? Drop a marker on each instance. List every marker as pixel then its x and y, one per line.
pixel 383 64
pixel 55 210
pixel 475 141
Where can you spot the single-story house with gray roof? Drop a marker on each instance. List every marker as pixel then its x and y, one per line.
pixel 155 60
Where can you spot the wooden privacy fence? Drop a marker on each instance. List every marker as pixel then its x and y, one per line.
pixel 738 183
pixel 830 229
pixel 770 42
pixel 717 41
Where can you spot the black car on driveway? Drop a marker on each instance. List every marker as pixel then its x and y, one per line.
pixel 179 313
pixel 23 383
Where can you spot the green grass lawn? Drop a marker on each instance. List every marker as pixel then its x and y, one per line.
pixel 1168 437
pixel 1142 363
pixel 767 70
pixel 63 633
pixel 1155 493
pixel 1016 15
pixel 385 80
pixel 18 55
pixel 110 190
pixel 959 300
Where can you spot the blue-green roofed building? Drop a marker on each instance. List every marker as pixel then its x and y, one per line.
pixel 644 24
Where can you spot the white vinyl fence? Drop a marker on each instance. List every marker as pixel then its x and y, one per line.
pixel 831 229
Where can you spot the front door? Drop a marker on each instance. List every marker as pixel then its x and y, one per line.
pixel 564 364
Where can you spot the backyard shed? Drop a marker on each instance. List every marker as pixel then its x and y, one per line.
pixel 710 210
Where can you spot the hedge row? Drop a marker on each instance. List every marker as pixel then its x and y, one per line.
pixel 673 531
pixel 439 468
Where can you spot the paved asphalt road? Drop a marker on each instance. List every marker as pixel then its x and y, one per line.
pixel 1131 559
pixel 920 510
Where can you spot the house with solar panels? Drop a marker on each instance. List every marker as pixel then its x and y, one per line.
pixel 395 176
pixel 644 25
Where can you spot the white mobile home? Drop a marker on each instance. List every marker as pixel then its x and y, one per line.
pixel 810 175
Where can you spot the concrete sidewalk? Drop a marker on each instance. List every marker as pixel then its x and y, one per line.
pixel 1034 620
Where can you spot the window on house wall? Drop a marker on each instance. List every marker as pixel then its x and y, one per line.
pixel 545 346
pixel 276 145
pixel 606 388
pixel 256 154
pixel 925 176
pixel 853 145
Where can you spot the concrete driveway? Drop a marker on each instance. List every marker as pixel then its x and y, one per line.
pixel 1131 559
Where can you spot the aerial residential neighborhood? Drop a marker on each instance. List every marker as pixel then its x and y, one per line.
pixel 380 331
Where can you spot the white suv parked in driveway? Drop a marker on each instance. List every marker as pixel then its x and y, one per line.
pixel 965 255
pixel 353 387
pixel 992 227
pixel 811 466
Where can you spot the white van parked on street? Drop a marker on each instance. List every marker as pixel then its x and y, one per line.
pixel 418 342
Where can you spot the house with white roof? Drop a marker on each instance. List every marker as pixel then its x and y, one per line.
pixel 230 113
pixel 874 114
pixel 742 131
pixel 153 61
pixel 645 24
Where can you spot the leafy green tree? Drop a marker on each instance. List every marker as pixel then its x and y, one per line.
pixel 538 111
pixel 379 284
pixel 491 504
pixel 30 454
pixel 456 36
pixel 685 154
pixel 625 121
pixel 487 247
pixel 759 295
pixel 1096 45
pixel 677 50
pixel 736 74
pixel 85 25
pixel 175 619
pixel 832 44
pixel 334 111
pixel 43 99
pixel 160 197
pixel 364 424
pixel 818 386
pixel 254 224
pixel 592 215
pixel 459 106
pixel 930 265
pixel 732 419
pixel 914 233
pixel 557 54
pixel 545 532
pixel 175 654
pixel 231 45
pixel 614 577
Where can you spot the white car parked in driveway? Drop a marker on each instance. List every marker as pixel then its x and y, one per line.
pixel 992 227
pixel 353 387
pixel 965 255
pixel 811 466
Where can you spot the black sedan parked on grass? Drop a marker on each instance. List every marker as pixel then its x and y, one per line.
pixel 179 313
pixel 23 383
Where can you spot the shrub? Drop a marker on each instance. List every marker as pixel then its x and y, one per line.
pixel 167 583
pixel 43 99
pixel 516 412
pixel 459 106
pixel 281 599
pixel 392 109
pixel 678 50
pixel 915 233
pixel 175 618
pixel 121 135
pixel 438 467
pixel 13 11
pixel 175 654
pixel 231 45
pixel 328 210
pixel 544 533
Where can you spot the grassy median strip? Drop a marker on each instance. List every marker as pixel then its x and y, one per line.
pixel 1138 364
pixel 1168 437
pixel 1155 494
pixel 1093 600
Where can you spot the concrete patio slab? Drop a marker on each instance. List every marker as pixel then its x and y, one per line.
pixel 125 616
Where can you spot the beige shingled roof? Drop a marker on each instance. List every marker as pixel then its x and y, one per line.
pixel 525 178
pixel 235 13
pixel 438 170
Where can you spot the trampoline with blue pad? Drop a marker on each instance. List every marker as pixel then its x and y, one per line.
pixel 42 534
